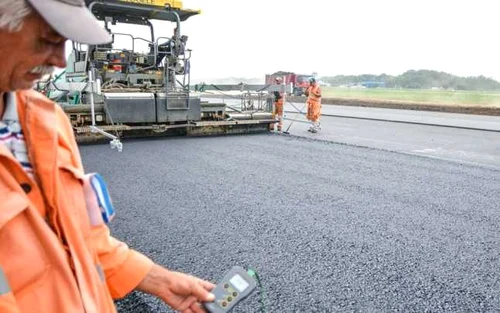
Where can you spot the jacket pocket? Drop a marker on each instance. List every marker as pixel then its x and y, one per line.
pixel 11 204
pixel 22 256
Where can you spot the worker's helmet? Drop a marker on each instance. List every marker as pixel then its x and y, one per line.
pixel 312 80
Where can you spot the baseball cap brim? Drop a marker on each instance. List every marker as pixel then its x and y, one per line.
pixel 74 22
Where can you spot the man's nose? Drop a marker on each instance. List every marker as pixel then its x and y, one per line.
pixel 58 56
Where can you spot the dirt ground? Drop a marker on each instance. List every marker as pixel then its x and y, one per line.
pixel 479 110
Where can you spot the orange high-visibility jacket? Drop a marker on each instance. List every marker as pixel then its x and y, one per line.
pixel 311 97
pixel 51 259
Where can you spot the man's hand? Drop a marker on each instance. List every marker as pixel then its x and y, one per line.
pixel 181 291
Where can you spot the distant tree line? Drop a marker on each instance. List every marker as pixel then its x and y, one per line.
pixel 421 79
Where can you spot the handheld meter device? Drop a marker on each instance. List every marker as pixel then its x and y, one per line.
pixel 234 287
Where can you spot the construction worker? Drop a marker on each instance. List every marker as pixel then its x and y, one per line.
pixel 278 105
pixel 56 251
pixel 313 93
pixel 165 49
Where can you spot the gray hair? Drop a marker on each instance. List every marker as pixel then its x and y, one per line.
pixel 12 14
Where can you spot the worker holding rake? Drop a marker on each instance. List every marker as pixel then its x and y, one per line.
pixel 278 105
pixel 313 94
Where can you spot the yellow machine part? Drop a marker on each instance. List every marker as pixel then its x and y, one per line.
pixel 150 9
pixel 174 4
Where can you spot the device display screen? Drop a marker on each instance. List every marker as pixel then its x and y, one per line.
pixel 239 283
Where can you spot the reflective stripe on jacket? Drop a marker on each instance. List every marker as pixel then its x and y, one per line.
pixel 51 258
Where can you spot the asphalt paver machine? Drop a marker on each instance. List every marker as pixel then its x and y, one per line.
pixel 111 92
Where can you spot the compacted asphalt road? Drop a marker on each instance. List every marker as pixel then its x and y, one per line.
pixel 328 226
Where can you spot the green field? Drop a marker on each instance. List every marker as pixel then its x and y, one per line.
pixel 461 98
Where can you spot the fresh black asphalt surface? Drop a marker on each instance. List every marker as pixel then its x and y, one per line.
pixel 329 227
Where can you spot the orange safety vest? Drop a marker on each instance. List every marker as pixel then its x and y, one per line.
pixel 312 98
pixel 51 259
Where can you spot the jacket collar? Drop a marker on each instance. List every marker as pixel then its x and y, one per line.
pixel 37 116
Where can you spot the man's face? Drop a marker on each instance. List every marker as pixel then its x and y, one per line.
pixel 29 54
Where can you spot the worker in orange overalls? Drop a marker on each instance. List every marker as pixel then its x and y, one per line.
pixel 56 251
pixel 278 105
pixel 313 93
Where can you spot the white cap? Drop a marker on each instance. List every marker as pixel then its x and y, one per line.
pixel 72 19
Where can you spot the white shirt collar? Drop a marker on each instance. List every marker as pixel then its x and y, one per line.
pixel 10 112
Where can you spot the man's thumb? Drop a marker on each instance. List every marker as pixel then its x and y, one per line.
pixel 202 294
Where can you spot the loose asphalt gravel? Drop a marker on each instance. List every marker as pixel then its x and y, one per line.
pixel 328 227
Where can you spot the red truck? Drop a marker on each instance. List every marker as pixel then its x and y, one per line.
pixel 299 81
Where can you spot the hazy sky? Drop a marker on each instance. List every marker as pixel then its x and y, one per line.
pixel 251 38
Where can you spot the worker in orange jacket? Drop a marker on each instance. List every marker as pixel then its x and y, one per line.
pixel 313 93
pixel 278 105
pixel 56 251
